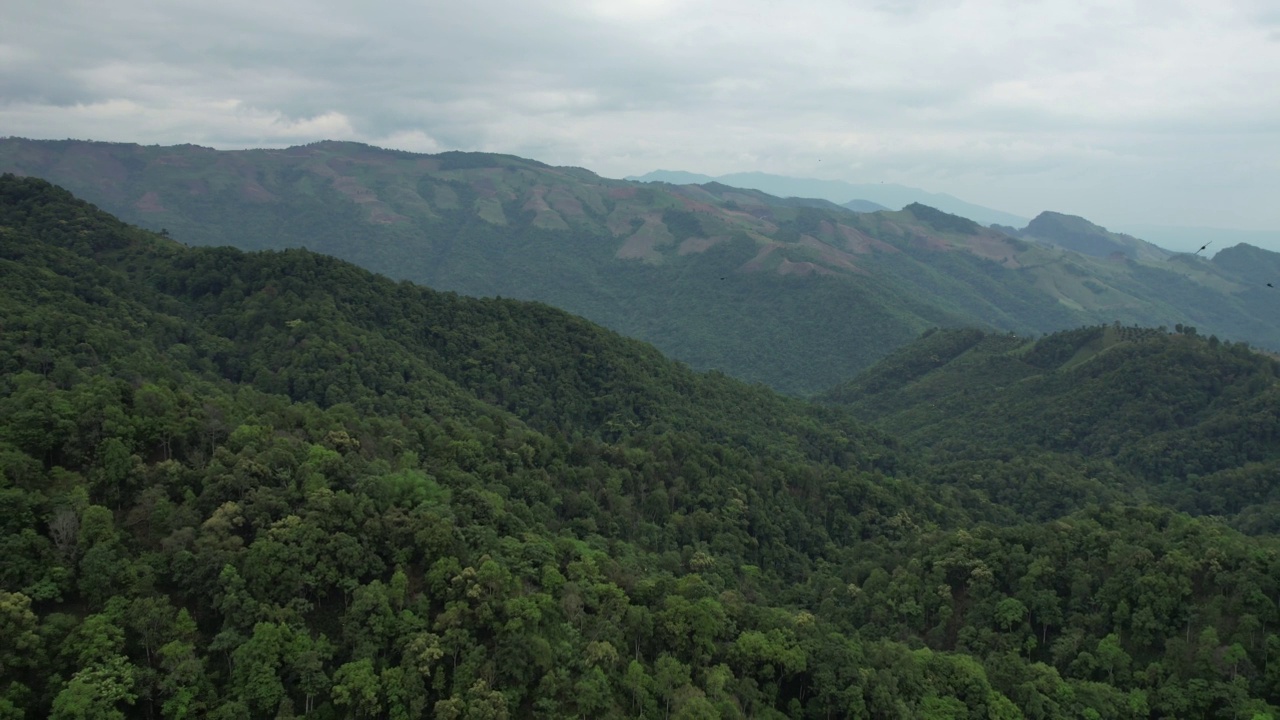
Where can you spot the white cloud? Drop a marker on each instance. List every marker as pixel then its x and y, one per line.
pixel 1132 111
pixel 223 123
pixel 410 140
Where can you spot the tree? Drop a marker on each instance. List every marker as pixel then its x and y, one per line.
pixel 478 703
pixel 255 669
pixel 18 628
pixel 369 625
pixel 183 683
pixel 1010 612
pixel 356 685
pixel 1113 659
pixel 669 675
pixel 151 619
pixel 638 682
pixel 115 475
pixel 592 694
pixel 96 692
pixel 305 657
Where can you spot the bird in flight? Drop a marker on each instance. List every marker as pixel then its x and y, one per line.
pixel 1202 247
pixel 1270 285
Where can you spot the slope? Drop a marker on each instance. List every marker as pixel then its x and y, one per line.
pixel 1257 265
pixel 1075 233
pixel 1189 238
pixel 889 195
pixel 271 484
pixel 701 274
pixel 1192 420
pixel 798 294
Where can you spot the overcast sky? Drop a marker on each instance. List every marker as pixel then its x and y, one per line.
pixel 1154 111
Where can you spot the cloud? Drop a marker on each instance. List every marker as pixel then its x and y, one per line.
pixel 223 124
pixel 1133 111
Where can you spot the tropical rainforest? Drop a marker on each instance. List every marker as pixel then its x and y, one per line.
pixel 798 294
pixel 273 484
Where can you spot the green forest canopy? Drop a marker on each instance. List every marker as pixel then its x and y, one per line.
pixel 1191 421
pixel 247 485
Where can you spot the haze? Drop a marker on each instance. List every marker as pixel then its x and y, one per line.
pixel 1126 113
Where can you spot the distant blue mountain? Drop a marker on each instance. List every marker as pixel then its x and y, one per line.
pixel 887 195
pixel 863 206
pixel 1188 239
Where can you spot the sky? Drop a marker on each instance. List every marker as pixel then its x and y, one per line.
pixel 1145 111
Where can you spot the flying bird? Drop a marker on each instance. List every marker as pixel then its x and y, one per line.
pixel 1202 247
pixel 1270 285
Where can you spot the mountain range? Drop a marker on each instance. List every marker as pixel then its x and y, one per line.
pixel 275 484
pixel 888 196
pixel 869 197
pixel 796 293
pixel 1189 238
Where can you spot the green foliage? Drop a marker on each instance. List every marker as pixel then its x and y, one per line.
pixel 1078 234
pixel 1189 420
pixel 939 220
pixel 272 485
pixel 796 293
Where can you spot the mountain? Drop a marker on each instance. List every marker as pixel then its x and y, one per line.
pixel 1255 264
pixel 271 484
pixel 1193 420
pixel 869 197
pixel 680 177
pixel 1074 233
pixel 887 195
pixel 331 478
pixel 718 277
pixel 796 293
pixel 1189 238
pixel 863 206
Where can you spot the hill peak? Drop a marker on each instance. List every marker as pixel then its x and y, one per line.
pixel 1077 234
pixel 1049 220
pixel 942 221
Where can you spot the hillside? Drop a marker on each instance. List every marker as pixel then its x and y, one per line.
pixel 1189 238
pixel 1190 420
pixel 274 484
pixel 1074 233
pixel 795 293
pixel 1255 264
pixel 889 196
pixel 863 206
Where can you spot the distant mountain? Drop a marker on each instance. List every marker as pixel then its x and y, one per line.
pixel 797 293
pixel 863 206
pixel 716 276
pixel 1255 264
pixel 887 195
pixel 676 177
pixel 1189 238
pixel 1071 232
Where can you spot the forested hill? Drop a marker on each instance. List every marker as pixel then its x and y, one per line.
pixel 797 294
pixel 1192 420
pixel 267 485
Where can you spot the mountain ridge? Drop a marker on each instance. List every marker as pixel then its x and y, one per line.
pixel 796 293
pixel 274 483
pixel 888 195
pixel 1188 414
pixel 1072 232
